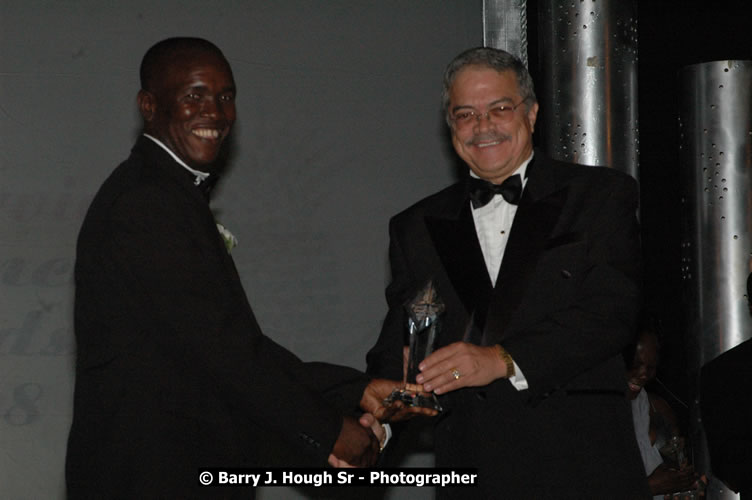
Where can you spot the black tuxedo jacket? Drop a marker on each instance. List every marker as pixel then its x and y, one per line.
pixel 172 370
pixel 565 305
pixel 726 405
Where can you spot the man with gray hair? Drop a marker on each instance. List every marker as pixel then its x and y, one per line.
pixel 538 264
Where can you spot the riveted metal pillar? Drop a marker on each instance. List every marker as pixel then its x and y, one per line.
pixel 716 168
pixel 588 83
pixel 505 26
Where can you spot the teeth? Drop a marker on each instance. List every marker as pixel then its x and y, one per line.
pixel 488 144
pixel 206 133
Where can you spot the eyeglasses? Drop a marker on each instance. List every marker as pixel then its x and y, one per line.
pixel 501 113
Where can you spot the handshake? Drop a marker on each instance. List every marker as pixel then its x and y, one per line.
pixel 360 441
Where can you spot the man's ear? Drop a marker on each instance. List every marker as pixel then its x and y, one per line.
pixel 532 116
pixel 147 105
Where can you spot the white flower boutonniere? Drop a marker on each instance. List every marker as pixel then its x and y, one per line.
pixel 230 240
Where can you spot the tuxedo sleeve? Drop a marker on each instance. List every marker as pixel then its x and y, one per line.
pixel 181 299
pixel 577 342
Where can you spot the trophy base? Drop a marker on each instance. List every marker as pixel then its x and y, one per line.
pixel 413 398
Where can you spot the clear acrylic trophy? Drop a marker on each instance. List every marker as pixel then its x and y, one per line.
pixel 423 326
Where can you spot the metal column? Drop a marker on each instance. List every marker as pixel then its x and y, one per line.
pixel 588 84
pixel 716 168
pixel 505 26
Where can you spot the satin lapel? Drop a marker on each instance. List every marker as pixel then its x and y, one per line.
pixel 457 245
pixel 539 210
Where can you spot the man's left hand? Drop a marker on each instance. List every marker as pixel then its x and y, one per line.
pixel 356 445
pixel 460 365
pixel 369 422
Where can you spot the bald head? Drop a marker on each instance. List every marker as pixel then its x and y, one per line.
pixel 163 56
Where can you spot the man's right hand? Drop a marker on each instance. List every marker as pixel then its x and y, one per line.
pixel 356 446
pixel 666 480
pixel 372 401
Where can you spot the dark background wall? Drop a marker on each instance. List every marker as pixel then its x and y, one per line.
pixel 672 34
pixel 339 128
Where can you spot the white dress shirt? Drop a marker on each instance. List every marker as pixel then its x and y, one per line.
pixel 651 457
pixel 493 223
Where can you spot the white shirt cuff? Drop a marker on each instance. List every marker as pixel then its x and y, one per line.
pixel 518 380
pixel 387 435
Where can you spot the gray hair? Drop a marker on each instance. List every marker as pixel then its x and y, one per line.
pixel 495 59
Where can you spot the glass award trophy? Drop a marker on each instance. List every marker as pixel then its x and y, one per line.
pixel 423 326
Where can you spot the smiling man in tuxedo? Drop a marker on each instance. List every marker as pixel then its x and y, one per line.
pixel 537 262
pixel 172 370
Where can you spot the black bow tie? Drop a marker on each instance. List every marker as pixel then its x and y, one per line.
pixel 481 192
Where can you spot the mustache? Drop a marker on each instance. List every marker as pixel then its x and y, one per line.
pixel 487 137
